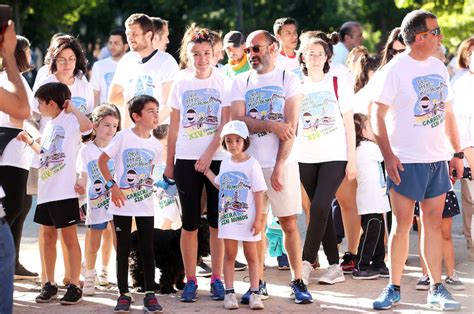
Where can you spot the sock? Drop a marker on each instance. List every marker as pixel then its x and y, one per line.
pixel 230 290
pixel 214 277
pixel 260 282
pixel 435 286
pixel 396 288
pixel 192 278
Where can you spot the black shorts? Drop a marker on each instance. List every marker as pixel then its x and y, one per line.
pixel 60 214
pixel 190 184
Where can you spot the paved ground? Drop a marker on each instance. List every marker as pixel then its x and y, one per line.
pixel 351 296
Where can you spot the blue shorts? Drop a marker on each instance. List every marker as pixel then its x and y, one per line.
pixel 422 181
pixel 101 226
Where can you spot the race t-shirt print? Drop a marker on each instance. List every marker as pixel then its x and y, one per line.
pixel 265 103
pixel 317 114
pixel 234 189
pixel 429 109
pixel 136 182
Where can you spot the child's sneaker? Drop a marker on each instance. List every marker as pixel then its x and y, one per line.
pixel 151 305
pixel 454 283
pixel 230 301
pixel 423 283
pixel 255 301
pixel 283 263
pixel 333 275
pixel 123 304
pixel 299 292
pixel 306 269
pixel 73 295
pixel 348 262
pixel 103 278
pixel 365 274
pixel 48 292
pixel 89 283
pixel 189 292
pixel 238 266
pixel 388 298
pixel 442 299
pixel 217 290
pixel 262 291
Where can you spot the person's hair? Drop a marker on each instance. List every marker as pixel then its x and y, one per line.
pixel 246 143
pixel 64 42
pixel 387 51
pixel 359 50
pixel 158 24
pixel 119 32
pixel 55 91
pixel 360 124
pixel 143 21
pixel 365 64
pixel 161 131
pixel 104 110
pixel 137 103
pixel 278 25
pixel 22 45
pixel 414 23
pixel 462 53
pixel 320 38
pixel 195 34
pixel 346 29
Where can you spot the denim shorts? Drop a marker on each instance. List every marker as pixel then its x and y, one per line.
pixel 101 226
pixel 422 181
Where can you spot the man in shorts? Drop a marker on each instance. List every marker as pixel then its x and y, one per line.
pixel 414 119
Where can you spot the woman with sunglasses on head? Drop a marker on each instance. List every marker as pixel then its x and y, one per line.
pixel 199 102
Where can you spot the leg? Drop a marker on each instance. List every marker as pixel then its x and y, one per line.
pixel 123 225
pixel 92 247
pixel 448 247
pixel 50 236
pixel 467 192
pixel 69 236
pixel 306 202
pixel 107 243
pixel 7 268
pixel 262 249
pixel 231 248
pixel 372 228
pixel 17 226
pixel 67 270
pixel 145 232
pixel 43 262
pixel 424 271
pixel 329 242
pixel 250 251
pixel 217 252
pixel 292 240
pixel 188 243
pixel 346 196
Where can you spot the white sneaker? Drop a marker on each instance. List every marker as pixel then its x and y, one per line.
pixel 89 284
pixel 230 301
pixel 306 269
pixel 255 301
pixel 333 275
pixel 103 278
pixel 454 283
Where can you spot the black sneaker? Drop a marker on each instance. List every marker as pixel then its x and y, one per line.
pixel 202 270
pixel 22 273
pixel 238 266
pixel 365 274
pixel 123 304
pixel 73 295
pixel 48 293
pixel 151 305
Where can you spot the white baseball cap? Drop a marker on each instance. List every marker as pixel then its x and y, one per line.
pixel 235 127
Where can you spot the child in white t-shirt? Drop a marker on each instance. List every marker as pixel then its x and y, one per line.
pixel 106 120
pixel 135 152
pixel 372 203
pixel 241 186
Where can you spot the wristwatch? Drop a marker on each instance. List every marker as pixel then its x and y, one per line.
pixel 109 184
pixel 459 155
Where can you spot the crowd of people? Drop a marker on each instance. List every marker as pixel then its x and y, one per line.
pixel 293 123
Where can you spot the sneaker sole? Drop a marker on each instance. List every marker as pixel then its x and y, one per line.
pixel 240 268
pixel 386 307
pixel 438 306
pixel 145 310
pixel 283 267
pixel 46 301
pixel 384 276
pixel 366 278
pixel 341 279
pixel 422 288
pixel 189 300
pixel 348 271
pixel 70 302
pixel 24 277
pixel 121 311
pixel 257 307
pixel 233 307
pixel 457 288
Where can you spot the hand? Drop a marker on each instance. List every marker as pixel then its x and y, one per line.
pixel 283 130
pixel 351 170
pixel 256 227
pixel 203 163
pixel 169 169
pixel 117 196
pixel 24 137
pixel 79 187
pixel 393 166
pixel 9 40
pixel 68 106
pixel 275 179
pixel 457 164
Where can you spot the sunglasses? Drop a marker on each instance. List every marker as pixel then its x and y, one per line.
pixel 435 32
pixel 396 51
pixel 200 36
pixel 255 49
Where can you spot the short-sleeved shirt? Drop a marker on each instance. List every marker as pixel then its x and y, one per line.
pixel 200 103
pixel 102 75
pixel 289 64
pixel 134 158
pixel 321 132
pixel 265 96
pixel 416 93
pixel 340 53
pixel 237 183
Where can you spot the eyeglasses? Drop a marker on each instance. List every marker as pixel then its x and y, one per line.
pixel 255 49
pixel 435 32
pixel 396 51
pixel 63 61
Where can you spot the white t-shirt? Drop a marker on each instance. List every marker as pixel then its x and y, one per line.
pixel 416 92
pixel 464 110
pixel 102 75
pixel 42 73
pixel 371 195
pixel 237 183
pixel 137 78
pixel 289 64
pixel 340 53
pixel 321 132
pixel 15 153
pixel 134 159
pixel 264 96
pixel 200 103
pixel 98 198
pixel 166 202
pixel 57 170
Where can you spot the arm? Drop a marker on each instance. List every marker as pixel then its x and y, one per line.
pixel 392 163
pixel 257 224
pixel 165 113
pixel 452 133
pixel 84 123
pixel 96 97
pixel 211 176
pixel 117 196
pixel 351 168
pixel 81 182
pixel 204 161
pixel 116 95
pixel 14 100
pixel 27 139
pixel 172 138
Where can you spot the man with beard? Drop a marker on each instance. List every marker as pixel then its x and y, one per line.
pixel 144 70
pixel 272 140
pixel 103 70
pixel 234 44
pixel 286 32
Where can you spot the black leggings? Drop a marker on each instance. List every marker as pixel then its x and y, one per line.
pixel 321 181
pixel 371 251
pixel 123 226
pixel 17 203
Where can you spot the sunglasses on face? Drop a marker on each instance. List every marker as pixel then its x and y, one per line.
pixel 435 32
pixel 255 49
pixel 396 51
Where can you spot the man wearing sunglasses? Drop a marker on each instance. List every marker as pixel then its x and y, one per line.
pixel 268 100
pixel 414 120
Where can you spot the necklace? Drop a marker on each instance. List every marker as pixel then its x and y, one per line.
pixel 98 147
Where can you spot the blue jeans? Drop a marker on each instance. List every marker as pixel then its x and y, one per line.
pixel 7 267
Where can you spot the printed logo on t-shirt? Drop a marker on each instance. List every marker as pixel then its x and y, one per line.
pixel 298 73
pixel 136 182
pixel 108 79
pixel 144 85
pixel 429 109
pixel 317 114
pixel 200 114
pixel 265 103
pixel 98 195
pixel 51 155
pixel 80 103
pixel 234 188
